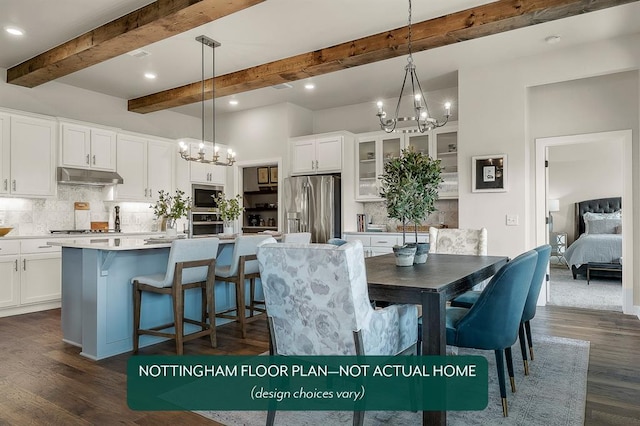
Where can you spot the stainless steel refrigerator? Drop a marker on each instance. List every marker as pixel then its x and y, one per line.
pixel 312 204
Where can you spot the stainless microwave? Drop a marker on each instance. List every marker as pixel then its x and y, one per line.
pixel 204 197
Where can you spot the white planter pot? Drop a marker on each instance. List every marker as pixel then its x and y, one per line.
pixel 404 255
pixel 228 229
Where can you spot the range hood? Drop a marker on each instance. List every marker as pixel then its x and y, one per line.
pixel 88 177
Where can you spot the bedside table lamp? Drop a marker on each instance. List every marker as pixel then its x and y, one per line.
pixel 554 206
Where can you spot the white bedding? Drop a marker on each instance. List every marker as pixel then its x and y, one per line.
pixel 600 248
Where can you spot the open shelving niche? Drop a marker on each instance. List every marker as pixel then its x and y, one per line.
pixel 257 203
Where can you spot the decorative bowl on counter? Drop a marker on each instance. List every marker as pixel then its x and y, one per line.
pixel 4 231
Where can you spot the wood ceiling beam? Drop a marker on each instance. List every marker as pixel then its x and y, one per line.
pixel 157 21
pixel 488 19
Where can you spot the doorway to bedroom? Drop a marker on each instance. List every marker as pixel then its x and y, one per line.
pixel 585 167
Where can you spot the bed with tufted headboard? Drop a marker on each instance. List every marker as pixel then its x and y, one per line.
pixel 598 233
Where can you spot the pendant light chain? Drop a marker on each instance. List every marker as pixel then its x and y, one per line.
pixel 410 56
pixel 202 90
pixel 213 97
pixel 200 157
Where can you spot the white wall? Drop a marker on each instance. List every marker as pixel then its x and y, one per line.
pixel 261 133
pixel 360 118
pixel 61 100
pixel 592 170
pixel 493 101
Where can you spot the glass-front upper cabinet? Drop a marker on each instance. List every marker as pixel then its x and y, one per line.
pixel 419 142
pixel 372 151
pixel 446 147
pixel 375 148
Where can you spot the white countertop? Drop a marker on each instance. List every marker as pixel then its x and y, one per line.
pixel 112 243
pixel 109 243
pixel 80 236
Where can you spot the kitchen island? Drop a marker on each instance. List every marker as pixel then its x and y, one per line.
pixel 97 295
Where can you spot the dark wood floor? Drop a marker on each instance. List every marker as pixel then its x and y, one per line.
pixel 44 381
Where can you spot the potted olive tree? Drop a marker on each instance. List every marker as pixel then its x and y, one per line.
pixel 410 188
pixel 229 210
pixel 426 175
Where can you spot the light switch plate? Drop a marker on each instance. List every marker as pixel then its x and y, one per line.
pixel 512 220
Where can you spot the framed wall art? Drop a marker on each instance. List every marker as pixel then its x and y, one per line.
pixel 273 174
pixel 489 173
pixel 263 175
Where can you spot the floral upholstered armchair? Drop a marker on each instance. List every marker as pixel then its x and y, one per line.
pixel 318 303
pixel 458 241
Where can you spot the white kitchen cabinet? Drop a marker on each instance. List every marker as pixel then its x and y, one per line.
pixel 31 276
pixel 146 165
pixel 209 174
pixel 32 157
pixel 316 154
pixel 445 142
pixel 383 243
pixel 41 271
pixel 10 282
pixel 160 167
pixel 375 148
pixel 87 147
pixel 5 152
pixel 40 278
pixel 372 151
pixel 375 244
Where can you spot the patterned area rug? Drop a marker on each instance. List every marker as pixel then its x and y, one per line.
pixel 601 293
pixel 552 395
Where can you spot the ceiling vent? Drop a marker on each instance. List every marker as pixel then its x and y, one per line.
pixel 282 86
pixel 138 53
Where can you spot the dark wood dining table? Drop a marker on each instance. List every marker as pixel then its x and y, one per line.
pixel 432 284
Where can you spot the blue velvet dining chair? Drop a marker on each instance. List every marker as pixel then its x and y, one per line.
pixel 469 298
pixel 492 322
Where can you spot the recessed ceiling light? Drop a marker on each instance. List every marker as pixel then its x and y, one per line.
pixel 553 39
pixel 14 31
pixel 149 75
pixel 233 102
pixel 309 86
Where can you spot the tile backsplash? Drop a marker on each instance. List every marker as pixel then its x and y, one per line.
pixel 37 216
pixel 446 213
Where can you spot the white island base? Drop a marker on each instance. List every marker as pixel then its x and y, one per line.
pixel 97 294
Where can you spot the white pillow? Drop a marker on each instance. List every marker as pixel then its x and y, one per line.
pixel 602 226
pixel 590 216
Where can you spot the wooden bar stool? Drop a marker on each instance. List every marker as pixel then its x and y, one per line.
pixel 240 270
pixel 192 264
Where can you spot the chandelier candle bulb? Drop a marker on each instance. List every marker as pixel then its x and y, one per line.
pixel 417 102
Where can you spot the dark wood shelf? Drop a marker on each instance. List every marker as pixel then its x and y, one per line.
pixel 256 229
pixel 260 209
pixel 262 191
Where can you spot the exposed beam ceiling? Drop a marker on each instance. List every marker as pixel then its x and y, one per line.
pixel 488 19
pixel 154 22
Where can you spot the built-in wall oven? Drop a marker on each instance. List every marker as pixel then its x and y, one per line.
pixel 205 220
